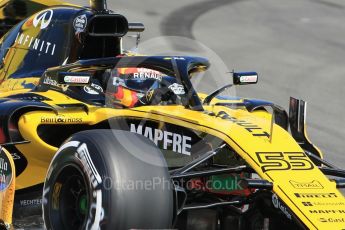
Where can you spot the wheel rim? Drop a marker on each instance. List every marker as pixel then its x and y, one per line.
pixel 73 199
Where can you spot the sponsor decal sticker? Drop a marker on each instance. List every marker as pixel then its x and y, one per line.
pixel 143 73
pixel 6 175
pixel 166 140
pixel 77 79
pixel 332 220
pixel 52 82
pixel 249 79
pixel 308 204
pixel 80 23
pixel 34 43
pixel 149 95
pixel 255 130
pixel 91 91
pixel 306 185
pixel 318 203
pixel 43 19
pixel 33 202
pixel 327 211
pixel 61 119
pixel 177 89
pixel 278 205
pixel 316 195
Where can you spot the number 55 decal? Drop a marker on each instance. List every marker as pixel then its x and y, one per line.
pixel 284 161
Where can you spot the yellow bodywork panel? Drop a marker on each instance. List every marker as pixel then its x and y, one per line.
pixel 270 150
pixel 7 185
pixel 278 158
pixel 297 181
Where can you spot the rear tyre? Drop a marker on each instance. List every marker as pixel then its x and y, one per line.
pixel 97 181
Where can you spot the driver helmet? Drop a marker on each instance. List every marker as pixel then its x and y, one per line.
pixel 130 84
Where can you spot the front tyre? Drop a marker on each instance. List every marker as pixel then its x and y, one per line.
pixel 97 181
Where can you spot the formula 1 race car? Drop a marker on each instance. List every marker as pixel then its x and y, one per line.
pixel 94 138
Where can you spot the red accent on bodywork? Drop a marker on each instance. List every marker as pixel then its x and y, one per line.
pixel 2 136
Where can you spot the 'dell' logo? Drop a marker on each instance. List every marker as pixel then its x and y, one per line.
pixel 45 18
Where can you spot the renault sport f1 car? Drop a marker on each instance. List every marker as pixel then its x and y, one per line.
pixel 94 138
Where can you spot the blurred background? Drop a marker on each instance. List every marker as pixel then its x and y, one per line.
pixel 296 46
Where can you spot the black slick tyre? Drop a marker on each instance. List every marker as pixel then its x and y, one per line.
pixel 107 179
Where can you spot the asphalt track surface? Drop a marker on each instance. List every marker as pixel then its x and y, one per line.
pixel 296 46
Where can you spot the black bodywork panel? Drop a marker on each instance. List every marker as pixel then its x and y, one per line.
pixel 10 111
pixel 57 36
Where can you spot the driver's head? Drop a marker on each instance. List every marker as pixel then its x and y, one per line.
pixel 130 84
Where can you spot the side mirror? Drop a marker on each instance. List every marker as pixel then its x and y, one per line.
pixel 245 78
pixel 136 27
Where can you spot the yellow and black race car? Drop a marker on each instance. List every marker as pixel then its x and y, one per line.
pixel 94 138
